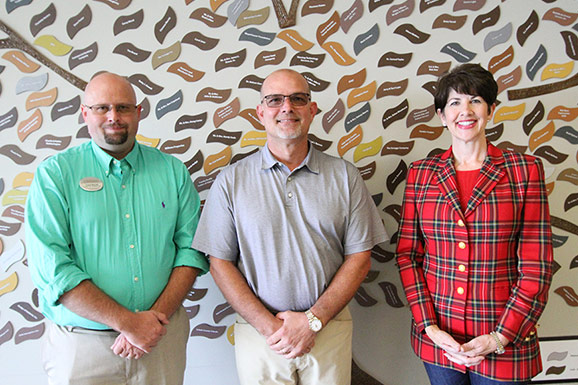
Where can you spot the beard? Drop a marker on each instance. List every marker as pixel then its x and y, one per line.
pixel 117 137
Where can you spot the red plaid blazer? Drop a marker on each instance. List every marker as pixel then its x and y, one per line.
pixel 488 268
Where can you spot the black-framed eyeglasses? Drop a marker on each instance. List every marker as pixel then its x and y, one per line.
pixel 103 109
pixel 297 99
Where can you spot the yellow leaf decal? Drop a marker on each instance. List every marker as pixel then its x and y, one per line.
pixel 338 53
pixel 367 149
pixel 295 40
pixel 254 138
pixel 53 45
pixel 557 70
pixel 362 94
pixel 509 113
pixel 542 136
pixel 24 179
pixel 350 140
pixel 151 142
pixel 9 284
pixel 231 335
pixel 217 160
pixel 14 197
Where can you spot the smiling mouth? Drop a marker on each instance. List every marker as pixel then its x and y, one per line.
pixel 466 123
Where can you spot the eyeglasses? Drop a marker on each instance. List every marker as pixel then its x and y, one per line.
pixel 297 99
pixel 103 109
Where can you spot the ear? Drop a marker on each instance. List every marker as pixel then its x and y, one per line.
pixel 441 116
pixel 260 112
pixel 84 111
pixel 492 110
pixel 313 108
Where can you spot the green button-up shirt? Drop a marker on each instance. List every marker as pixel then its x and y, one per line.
pixel 125 228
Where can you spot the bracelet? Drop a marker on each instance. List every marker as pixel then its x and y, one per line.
pixel 499 347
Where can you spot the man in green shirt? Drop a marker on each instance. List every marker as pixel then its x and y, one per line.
pixel 109 227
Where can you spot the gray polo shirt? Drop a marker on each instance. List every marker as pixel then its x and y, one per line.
pixel 288 232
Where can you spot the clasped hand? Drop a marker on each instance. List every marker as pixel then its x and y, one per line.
pixel 142 333
pixel 293 338
pixel 468 354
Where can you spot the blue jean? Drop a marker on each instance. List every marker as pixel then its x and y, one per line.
pixel 439 375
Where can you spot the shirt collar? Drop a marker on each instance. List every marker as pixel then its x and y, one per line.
pixel 311 161
pixel 105 160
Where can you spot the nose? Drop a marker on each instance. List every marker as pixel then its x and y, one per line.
pixel 113 114
pixel 287 106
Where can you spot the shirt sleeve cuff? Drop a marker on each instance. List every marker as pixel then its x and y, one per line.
pixel 192 258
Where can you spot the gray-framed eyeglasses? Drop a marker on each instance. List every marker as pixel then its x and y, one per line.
pixel 103 109
pixel 298 99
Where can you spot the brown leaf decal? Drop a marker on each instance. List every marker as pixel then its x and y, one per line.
pixel 195 163
pixel 6 333
pixel 213 95
pixel 551 155
pixel 192 311
pixel 82 56
pixel 338 53
pixel 568 294
pixel 166 55
pixel 571 42
pixel 9 119
pixel 78 22
pixel 186 72
pixel 250 114
pixel 228 60
pixel 533 118
pixel 352 139
pixel 133 53
pixel 308 60
pixel 315 84
pixel 143 83
pixel 196 294
pixel 145 109
pixel 529 27
pixel 208 331
pixel 371 276
pixel 27 311
pixel 394 211
pixel 391 296
pixel 316 6
pixel 420 115
pixel 470 5
pixel 353 14
pixel 57 143
pixel 550 188
pixel 495 133
pixel 256 17
pixel 392 88
pixel 412 34
pixel 43 19
pixel 270 57
pixel 14 212
pixel 486 20
pixel 176 146
pixel 223 114
pixel 116 4
pixel 431 67
pixel 394 147
pixel 381 255
pixel 31 333
pixel 556 370
pixel 374 4
pixel 396 177
pixel 226 137
pixel 399 11
pixel 362 94
pixel 367 171
pixel 328 28
pixel 333 116
pixel 426 132
pixel 253 82
pixel 41 99
pixel 320 144
pixel 363 298
pixel 564 225
pixel 217 160
pixel 542 136
pixel 560 16
pixel 393 59
pixel 509 146
pixel 509 80
pixel 566 114
pixel 191 122
pixel 449 21
pixel 295 40
pixel 21 61
pixel 430 87
pixel 165 25
pixel 240 156
pixel 208 17
pixel 68 107
pixel 351 81
pixel 394 114
pixel 200 41
pixel 424 5
pixel 125 23
pixel 571 201
pixel 28 126
pixel 221 311
pixel 502 60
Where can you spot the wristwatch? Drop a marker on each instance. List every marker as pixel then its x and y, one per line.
pixel 499 346
pixel 315 323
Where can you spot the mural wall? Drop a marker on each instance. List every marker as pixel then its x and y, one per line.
pixel 197 66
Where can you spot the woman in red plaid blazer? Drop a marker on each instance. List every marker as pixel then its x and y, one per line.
pixel 475 249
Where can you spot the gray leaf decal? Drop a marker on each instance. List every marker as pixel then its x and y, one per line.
pixel 57 143
pixel 459 53
pixel 68 107
pixel 353 119
pixel 498 37
pixel 16 154
pixel 81 56
pixel 568 133
pixel 258 37
pixel 536 62
pixel 208 331
pixel 9 119
pixel 6 333
pixel 221 311
pixel 32 333
pixel 133 53
pixel 366 39
pixel 192 122
pixel 13 4
pixel 78 22
pixel 165 25
pixel 169 104
pixel 143 83
pixel 124 23
pixel 43 19
pixel 27 311
pixel 236 8
pixel 31 83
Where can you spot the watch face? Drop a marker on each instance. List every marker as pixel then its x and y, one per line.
pixel 316 325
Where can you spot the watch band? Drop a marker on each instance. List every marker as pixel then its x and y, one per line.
pixel 499 347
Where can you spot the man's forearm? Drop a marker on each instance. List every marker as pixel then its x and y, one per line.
pixel 180 283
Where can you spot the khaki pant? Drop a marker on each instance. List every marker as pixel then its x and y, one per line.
pixel 328 363
pixel 75 356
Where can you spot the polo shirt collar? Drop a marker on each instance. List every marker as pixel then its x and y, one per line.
pixel 311 161
pixel 105 160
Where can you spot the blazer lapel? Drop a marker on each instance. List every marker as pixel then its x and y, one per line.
pixel 447 184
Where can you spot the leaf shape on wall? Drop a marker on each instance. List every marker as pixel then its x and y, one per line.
pixel 355 118
pixel 560 16
pixel 253 82
pixel 335 114
pixel 31 83
pixel 169 104
pixel 11 5
pixel 533 118
pixel 550 154
pixel 528 28
pixel 52 45
pixel 256 17
pixel 571 42
pixel 374 4
pixel 486 20
pixel 78 22
pixel 337 52
pixel 351 16
pixel 221 311
pixel 365 150
pixel 424 5
pixel 195 163
pixel 509 113
pixel 411 33
pixel 502 60
pixel 569 175
pixel 200 41
pixel 399 11
pixel 208 17
pixel 431 67
pixel 27 311
pixel 498 37
pixel 229 60
pixel 227 112
pixel 395 211
pixel 394 59
pixel 509 146
pixel 295 40
pixel 349 141
pixel 29 333
pixel 21 61
pixel 165 25
pixel 449 21
pixel 250 115
pixel 124 23
pixel 166 55
pixel 351 81
pixel 68 107
pixel 15 196
pixel 6 333
pixel 43 19
pixel 395 113
pixel 150 142
pixel 363 298
pixel 381 255
pixel 568 133
pixel 536 62
pixel 39 99
pixel 82 56
pixel 568 294
pixel 566 114
pixel 316 6
pixel 208 331
pixel 117 5
pixel 235 9
pixel 366 39
pixel 143 83
pixel 228 138
pixel 362 94
pixel 571 201
pixel 217 160
pixel 328 28
pixel 509 80
pixel 203 183
pixel 307 59
pixel 315 84
pixel 186 72
pixel 9 119
pixel 8 284
pixel 495 133
pixel 318 143
pixel 132 52
pixel 270 57
pixel 397 177
pixel 420 115
pixel 28 126
pixel 16 154
pixel 57 143
pixel 254 138
pixel 209 94
pixel 392 88
pixel 426 132
pixel 555 70
pixel 469 5
pixel 367 171
pixel 391 296
pixel 394 147
pixel 256 36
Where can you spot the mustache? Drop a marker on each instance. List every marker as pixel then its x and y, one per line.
pixel 114 125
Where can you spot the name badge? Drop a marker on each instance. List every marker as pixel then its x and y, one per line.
pixel 91 184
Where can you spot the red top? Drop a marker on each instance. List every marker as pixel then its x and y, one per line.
pixel 466 181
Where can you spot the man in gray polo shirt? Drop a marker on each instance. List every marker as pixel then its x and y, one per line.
pixel 289 231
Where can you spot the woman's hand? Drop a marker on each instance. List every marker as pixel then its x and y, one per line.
pixel 442 339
